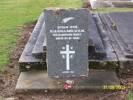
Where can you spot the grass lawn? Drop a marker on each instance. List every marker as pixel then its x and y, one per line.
pixel 14 13
pixel 130 96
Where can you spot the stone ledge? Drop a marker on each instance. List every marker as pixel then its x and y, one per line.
pixel 39 81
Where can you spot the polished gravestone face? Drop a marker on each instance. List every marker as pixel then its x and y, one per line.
pixel 67 42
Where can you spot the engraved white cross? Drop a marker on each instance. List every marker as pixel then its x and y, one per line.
pixel 67 53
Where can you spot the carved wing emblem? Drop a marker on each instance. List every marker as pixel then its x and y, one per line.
pixel 65 20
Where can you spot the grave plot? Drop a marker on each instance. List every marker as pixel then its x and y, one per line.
pixel 111 3
pixel 34 55
pixel 76 49
pixel 28 60
pixel 120 27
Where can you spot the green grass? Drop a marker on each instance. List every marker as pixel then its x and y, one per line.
pixel 14 13
pixel 130 95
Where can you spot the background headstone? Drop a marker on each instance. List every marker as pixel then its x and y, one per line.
pixel 111 3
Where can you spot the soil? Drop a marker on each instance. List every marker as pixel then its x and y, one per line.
pixel 9 78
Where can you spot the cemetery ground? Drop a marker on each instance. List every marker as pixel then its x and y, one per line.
pixel 17 20
pixel 9 77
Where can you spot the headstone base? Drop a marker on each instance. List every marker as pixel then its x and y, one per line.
pixel 39 81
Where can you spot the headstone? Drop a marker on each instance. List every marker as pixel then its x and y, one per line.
pixel 111 3
pixel 67 42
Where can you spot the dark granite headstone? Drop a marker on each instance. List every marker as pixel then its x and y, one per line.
pixel 67 42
